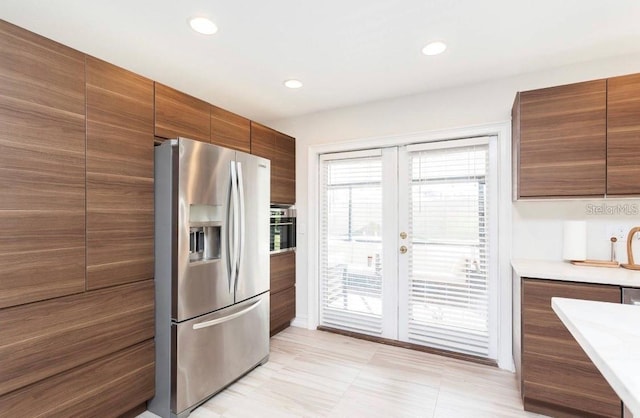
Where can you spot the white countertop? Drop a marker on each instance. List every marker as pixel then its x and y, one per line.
pixel 565 271
pixel 610 335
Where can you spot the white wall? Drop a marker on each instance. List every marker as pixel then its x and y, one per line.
pixel 537 231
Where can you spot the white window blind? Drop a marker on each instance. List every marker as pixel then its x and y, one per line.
pixel 448 300
pixel 351 244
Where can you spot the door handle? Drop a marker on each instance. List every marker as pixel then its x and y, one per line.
pixel 403 249
pixel 226 318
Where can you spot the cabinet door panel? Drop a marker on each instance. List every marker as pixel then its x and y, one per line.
pixel 283 309
pixel 119 175
pixel 230 130
pixel 281 150
pixel 109 386
pixel 555 369
pixel 178 114
pixel 563 140
pixel 263 142
pixel 39 340
pixel 42 142
pixel 285 171
pixel 623 135
pixel 283 271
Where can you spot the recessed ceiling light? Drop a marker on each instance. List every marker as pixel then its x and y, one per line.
pixel 434 48
pixel 293 84
pixel 203 25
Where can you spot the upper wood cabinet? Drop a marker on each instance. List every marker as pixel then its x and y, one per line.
pixel 558 378
pixel 623 135
pixel 230 130
pixel 119 175
pixel 281 150
pixel 559 140
pixel 178 114
pixel 42 161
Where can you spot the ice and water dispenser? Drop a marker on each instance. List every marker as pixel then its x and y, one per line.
pixel 205 227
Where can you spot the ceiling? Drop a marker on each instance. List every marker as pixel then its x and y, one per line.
pixel 345 52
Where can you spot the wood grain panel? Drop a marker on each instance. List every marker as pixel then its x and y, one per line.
pixel 119 247
pixel 283 271
pixel 106 387
pixel 623 135
pixel 230 130
pixel 119 151
pixel 39 275
pixel 563 141
pixel 283 309
pixel 262 141
pixel 285 170
pixel 547 382
pixel 280 149
pixel 39 71
pixel 178 114
pixel 120 135
pixel 555 369
pixel 42 193
pixel 42 254
pixel 42 339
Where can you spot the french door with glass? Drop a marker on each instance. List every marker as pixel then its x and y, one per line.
pixel 407 244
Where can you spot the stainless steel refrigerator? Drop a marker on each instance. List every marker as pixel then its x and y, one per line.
pixel 211 271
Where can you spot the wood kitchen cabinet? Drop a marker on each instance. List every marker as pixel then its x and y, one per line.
pixel 42 174
pixel 560 141
pixel 283 293
pixel 281 150
pixel 120 136
pixel 111 386
pixel 178 114
pixel 230 130
pixel 558 379
pixel 623 135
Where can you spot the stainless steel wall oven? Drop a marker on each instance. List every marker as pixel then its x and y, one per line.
pixel 283 230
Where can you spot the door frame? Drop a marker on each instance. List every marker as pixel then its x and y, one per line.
pixel 502 131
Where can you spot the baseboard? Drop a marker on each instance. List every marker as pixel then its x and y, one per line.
pixel 300 322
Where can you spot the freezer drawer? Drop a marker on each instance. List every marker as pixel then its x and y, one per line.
pixel 215 349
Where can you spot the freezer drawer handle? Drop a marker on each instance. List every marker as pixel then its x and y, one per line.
pixel 226 318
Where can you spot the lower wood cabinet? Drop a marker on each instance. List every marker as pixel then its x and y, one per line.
pixel 558 379
pixel 107 387
pixel 283 291
pixel 40 340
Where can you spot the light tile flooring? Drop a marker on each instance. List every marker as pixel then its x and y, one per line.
pixel 320 374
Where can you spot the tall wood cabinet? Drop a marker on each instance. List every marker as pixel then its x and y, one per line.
pixel 76 150
pixel 119 175
pixel 558 378
pixel 578 140
pixel 42 179
pixel 281 150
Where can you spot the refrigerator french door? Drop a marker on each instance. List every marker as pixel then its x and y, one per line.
pixel 212 271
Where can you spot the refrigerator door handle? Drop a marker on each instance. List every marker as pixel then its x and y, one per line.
pixel 231 270
pixel 236 224
pixel 228 317
pixel 241 221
